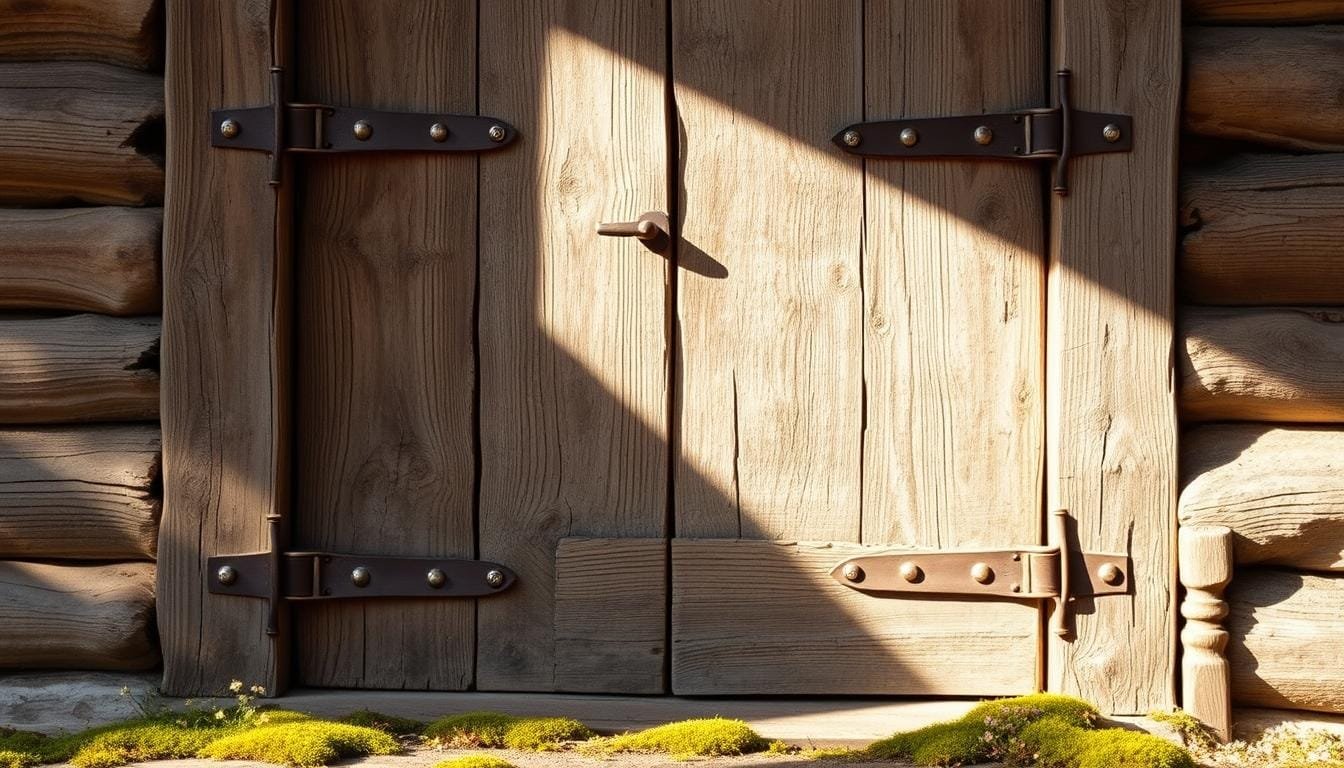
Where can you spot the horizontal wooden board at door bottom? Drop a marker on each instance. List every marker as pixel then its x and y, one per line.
pixel 1264 12
pixel 128 33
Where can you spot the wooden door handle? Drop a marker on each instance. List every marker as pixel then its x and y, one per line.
pixel 651 229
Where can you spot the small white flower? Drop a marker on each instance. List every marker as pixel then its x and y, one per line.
pixel 219 714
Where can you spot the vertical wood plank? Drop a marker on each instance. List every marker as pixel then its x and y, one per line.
pixel 225 358
pixel 1206 569
pixel 1111 436
pixel 571 329
pixel 386 273
pixel 770 373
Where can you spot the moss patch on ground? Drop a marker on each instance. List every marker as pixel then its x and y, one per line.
pixel 471 730
pixel 397 726
pixel 705 737
pixel 475 761
pixel 309 743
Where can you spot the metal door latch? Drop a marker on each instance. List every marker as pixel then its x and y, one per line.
pixel 1059 133
pixel 1019 573
pixel 651 229
pixel 277 576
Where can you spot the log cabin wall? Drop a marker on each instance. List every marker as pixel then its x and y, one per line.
pixel 81 148
pixel 1261 358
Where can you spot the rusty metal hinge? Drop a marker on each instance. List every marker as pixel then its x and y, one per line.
pixel 1020 573
pixel 277 576
pixel 1059 133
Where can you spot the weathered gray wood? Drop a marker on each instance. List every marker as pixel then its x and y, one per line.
pixel 572 326
pixel 1285 640
pixel 1283 364
pixel 102 260
pixel 1205 568
pixel 77 616
pixel 1280 490
pixel 225 355
pixel 1111 425
pixel 611 615
pixel 1274 86
pixel 1264 229
pixel 79 368
pixel 84 492
pixel 1264 12
pixel 124 32
pixel 84 132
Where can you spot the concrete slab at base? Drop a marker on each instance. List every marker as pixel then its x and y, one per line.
pixel 53 702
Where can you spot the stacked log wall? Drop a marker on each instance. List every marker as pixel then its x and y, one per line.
pixel 82 147
pixel 1261 353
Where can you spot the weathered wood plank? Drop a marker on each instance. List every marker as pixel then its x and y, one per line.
pixel 124 32
pixel 1274 86
pixel 572 326
pixel 385 348
pixel 85 492
pixel 1264 229
pixel 765 617
pixel 954 288
pixel 80 132
pixel 611 615
pixel 1264 12
pixel 1282 364
pixel 1285 640
pixel 225 354
pixel 1205 568
pixel 79 368
pixel 77 616
pixel 1280 490
pixel 102 260
pixel 1111 422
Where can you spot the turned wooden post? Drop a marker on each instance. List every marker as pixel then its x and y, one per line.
pixel 1205 562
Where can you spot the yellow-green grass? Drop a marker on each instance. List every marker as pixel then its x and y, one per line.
pixel 475 761
pixel 706 737
pixel 497 730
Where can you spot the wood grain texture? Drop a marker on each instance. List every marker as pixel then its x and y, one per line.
pixel 1279 489
pixel 1110 415
pixel 225 355
pixel 386 266
pixel 1278 87
pixel 102 260
pixel 124 32
pixel 770 388
pixel 83 492
pixel 1285 629
pixel 611 615
pixel 765 617
pixel 74 131
pixel 1264 229
pixel 1205 567
pixel 954 287
pixel 1264 12
pixel 77 616
pixel 572 327
pixel 79 368
pixel 1269 364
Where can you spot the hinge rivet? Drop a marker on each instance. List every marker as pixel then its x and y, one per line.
pixel 911 572
pixel 1110 574
pixel 982 573
pixel 853 572
pixel 852 138
pixel 438 132
pixel 496 133
pixel 1111 132
pixel 909 137
pixel 227 575
pixel 360 577
pixel 436 578
pixel 983 135
pixel 363 130
pixel 494 578
pixel 230 129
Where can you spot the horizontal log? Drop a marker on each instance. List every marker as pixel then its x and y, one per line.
pixel 1264 229
pixel 81 259
pixel 125 32
pixel 77 616
pixel 1280 490
pixel 1274 86
pixel 1283 364
pixel 79 492
pixel 79 368
pixel 1284 640
pixel 74 131
pixel 1265 12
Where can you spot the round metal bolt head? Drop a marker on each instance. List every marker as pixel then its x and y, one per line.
pixel 1110 574
pixel 494 578
pixel 1111 132
pixel 982 573
pixel 496 133
pixel 436 578
pixel 909 137
pixel 983 135
pixel 911 573
pixel 227 575
pixel 851 138
pixel 361 577
pixel 438 132
pixel 853 572
pixel 363 130
pixel 230 129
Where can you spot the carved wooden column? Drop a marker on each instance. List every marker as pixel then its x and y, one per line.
pixel 1205 569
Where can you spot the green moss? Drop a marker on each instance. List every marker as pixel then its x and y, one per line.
pixel 1193 733
pixel 689 738
pixel 304 743
pixel 141 742
pixel 492 729
pixel 1060 744
pixel 475 761
pixel 392 724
